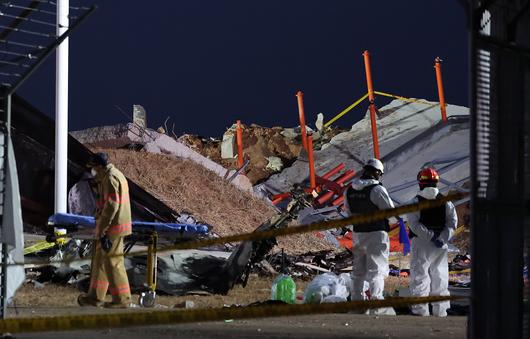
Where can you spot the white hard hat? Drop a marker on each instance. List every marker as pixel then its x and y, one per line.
pixel 375 163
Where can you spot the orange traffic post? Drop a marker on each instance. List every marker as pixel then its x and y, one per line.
pixel 334 171
pixel 239 139
pixel 312 176
pixel 371 98
pixel 439 82
pixel 301 114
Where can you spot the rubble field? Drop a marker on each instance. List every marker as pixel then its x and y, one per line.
pixel 258 289
pixel 188 187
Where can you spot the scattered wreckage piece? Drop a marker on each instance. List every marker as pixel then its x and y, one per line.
pixel 182 272
pixel 305 266
pixel 143 232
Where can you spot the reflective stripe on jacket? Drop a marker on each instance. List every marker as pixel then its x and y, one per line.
pixel 113 215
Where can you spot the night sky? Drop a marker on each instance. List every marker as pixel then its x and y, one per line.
pixel 207 63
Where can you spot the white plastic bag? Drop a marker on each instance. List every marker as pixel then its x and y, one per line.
pixel 328 287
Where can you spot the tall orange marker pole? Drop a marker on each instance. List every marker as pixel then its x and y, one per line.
pixel 312 176
pixel 371 98
pixel 439 82
pixel 301 114
pixel 239 138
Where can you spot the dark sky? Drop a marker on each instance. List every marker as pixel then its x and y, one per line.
pixel 206 63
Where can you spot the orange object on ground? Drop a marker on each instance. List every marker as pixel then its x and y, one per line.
pixel 334 171
pixel 346 240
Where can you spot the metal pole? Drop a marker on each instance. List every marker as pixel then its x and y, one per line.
pixel 4 281
pixel 312 176
pixel 6 131
pixel 61 110
pixel 301 115
pixel 439 83
pixel 371 98
pixel 239 139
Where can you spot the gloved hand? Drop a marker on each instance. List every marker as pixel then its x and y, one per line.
pixel 106 244
pixel 437 242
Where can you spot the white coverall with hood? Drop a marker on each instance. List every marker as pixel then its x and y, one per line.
pixel 370 249
pixel 429 271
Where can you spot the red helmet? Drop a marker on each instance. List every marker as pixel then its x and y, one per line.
pixel 428 176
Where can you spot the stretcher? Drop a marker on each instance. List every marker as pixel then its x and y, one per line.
pixel 85 225
pixel 147 233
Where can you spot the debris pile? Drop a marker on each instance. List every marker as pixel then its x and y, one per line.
pixel 190 173
pixel 305 266
pixel 268 149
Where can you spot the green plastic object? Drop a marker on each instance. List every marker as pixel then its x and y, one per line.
pixel 284 289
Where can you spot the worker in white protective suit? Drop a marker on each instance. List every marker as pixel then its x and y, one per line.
pixel 430 231
pixel 370 241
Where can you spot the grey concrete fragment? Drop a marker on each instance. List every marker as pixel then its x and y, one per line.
pixel 274 164
pixel 114 136
pixel 228 149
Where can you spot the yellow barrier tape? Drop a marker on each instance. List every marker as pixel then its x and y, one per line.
pixel 149 318
pixel 346 110
pixel 318 226
pixel 405 99
pixel 459 230
pixel 43 245
pixel 467 270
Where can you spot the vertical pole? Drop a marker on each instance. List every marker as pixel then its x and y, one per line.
pixel 239 139
pixel 61 110
pixel 312 177
pixel 4 160
pixel 371 98
pixel 439 82
pixel 301 115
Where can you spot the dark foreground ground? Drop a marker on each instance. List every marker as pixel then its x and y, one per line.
pixel 314 326
pixel 51 300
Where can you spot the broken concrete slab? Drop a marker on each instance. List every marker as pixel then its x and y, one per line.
pixel 114 136
pixel 164 144
pixel 121 135
pixel 228 149
pixel 400 123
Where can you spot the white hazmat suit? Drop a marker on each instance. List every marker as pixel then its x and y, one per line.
pixel 429 272
pixel 370 248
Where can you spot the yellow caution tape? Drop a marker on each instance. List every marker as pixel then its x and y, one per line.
pixel 406 99
pixel 467 270
pixel 318 226
pixel 149 318
pixel 42 245
pixel 349 108
pixel 346 110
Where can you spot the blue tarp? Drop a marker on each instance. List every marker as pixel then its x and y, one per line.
pixel 67 219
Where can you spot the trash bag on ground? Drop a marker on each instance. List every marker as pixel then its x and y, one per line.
pixel 328 287
pixel 284 289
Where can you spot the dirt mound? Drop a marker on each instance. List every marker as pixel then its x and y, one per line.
pixel 188 187
pixel 259 143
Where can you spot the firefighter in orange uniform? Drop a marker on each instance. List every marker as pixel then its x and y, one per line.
pixel 113 223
